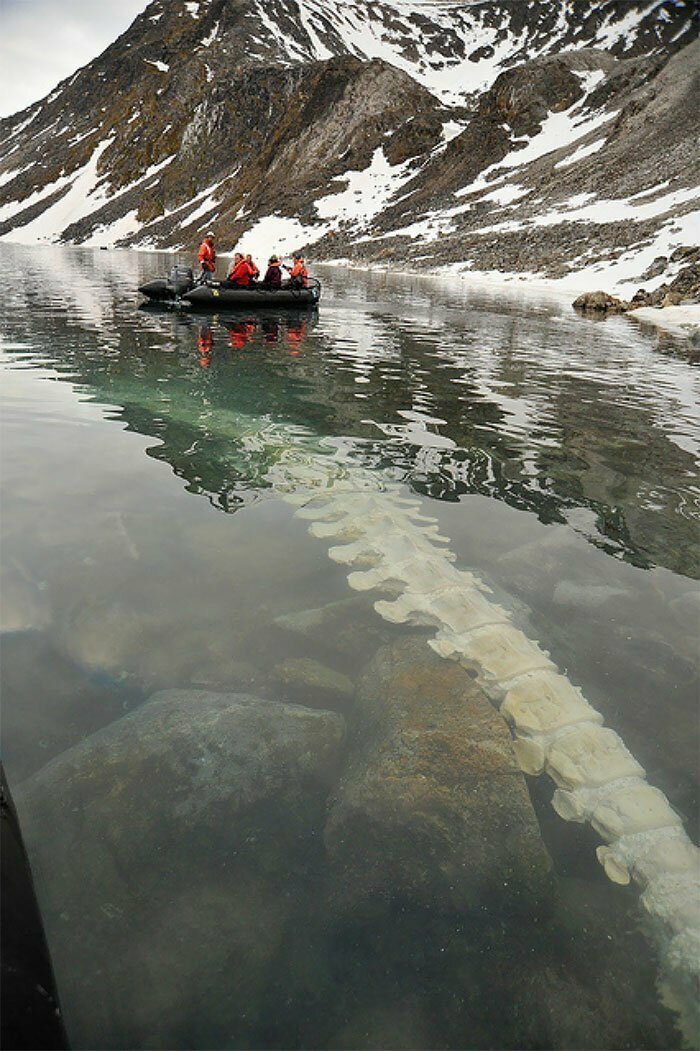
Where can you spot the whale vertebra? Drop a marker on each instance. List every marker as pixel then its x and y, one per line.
pixel 555 729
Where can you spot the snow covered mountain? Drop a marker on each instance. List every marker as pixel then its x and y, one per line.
pixel 492 135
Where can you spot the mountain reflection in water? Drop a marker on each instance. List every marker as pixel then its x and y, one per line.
pixel 557 455
pixel 564 418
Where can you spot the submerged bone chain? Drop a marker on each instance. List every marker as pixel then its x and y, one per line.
pixel 392 546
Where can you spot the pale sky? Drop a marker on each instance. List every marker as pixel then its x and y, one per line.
pixel 43 41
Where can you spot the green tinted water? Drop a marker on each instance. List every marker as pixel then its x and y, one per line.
pixel 558 455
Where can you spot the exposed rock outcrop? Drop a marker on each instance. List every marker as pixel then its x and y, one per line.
pixel 684 288
pixel 600 302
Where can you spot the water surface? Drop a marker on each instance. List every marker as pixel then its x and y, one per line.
pixel 144 547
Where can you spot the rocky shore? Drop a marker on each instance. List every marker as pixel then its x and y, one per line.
pixel 683 289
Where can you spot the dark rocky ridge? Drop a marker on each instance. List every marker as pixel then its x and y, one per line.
pixel 652 107
pixel 268 108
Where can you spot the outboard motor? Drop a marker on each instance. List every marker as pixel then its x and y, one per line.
pixel 181 279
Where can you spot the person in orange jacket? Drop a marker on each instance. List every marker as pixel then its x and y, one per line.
pixel 298 273
pixel 206 256
pixel 240 272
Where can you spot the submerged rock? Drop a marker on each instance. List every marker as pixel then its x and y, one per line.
pixel 349 629
pixel 586 597
pixel 168 848
pixel 433 808
pixel 312 683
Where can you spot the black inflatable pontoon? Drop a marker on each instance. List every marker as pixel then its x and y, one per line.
pixel 180 290
pixel 30 1015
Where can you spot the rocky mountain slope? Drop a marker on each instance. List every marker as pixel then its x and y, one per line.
pixel 542 137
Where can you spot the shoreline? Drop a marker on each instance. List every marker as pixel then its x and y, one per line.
pixel 681 321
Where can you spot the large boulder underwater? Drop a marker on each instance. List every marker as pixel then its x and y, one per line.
pixel 219 870
pixel 167 847
pixel 433 807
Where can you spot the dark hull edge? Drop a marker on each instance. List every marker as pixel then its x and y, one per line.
pixel 210 298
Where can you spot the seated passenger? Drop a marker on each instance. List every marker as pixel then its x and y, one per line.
pixel 273 274
pixel 255 273
pixel 298 274
pixel 240 273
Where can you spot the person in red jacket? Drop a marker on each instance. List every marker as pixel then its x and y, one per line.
pixel 298 273
pixel 240 272
pixel 207 256
pixel 255 272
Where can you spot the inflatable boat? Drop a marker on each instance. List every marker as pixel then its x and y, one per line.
pixel 180 289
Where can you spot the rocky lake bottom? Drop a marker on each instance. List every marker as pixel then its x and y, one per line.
pixel 260 814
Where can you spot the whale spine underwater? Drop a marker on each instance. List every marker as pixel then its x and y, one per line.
pixel 391 546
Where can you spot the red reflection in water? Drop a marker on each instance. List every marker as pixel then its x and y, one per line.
pixel 205 346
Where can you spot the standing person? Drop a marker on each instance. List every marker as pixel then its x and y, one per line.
pixel 240 272
pixel 207 257
pixel 299 274
pixel 273 274
pixel 255 273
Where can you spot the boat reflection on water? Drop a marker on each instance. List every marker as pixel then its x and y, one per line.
pixel 286 330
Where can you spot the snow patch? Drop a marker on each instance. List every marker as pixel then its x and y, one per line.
pixel 162 66
pixel 318 48
pixel 106 236
pixel 9 176
pixel 206 208
pixel 368 192
pixel 558 130
pixel 603 211
pixel 620 277
pixel 17 128
pixel 13 206
pixel 610 34
pixel 79 138
pixel 654 189
pixel 100 195
pixel 209 39
pixel 192 7
pixel 681 320
pixel 580 153
pixel 72 206
pixel 451 129
pixel 505 194
pixel 278 235
pixel 286 44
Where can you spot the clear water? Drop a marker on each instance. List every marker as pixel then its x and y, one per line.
pixel 143 548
